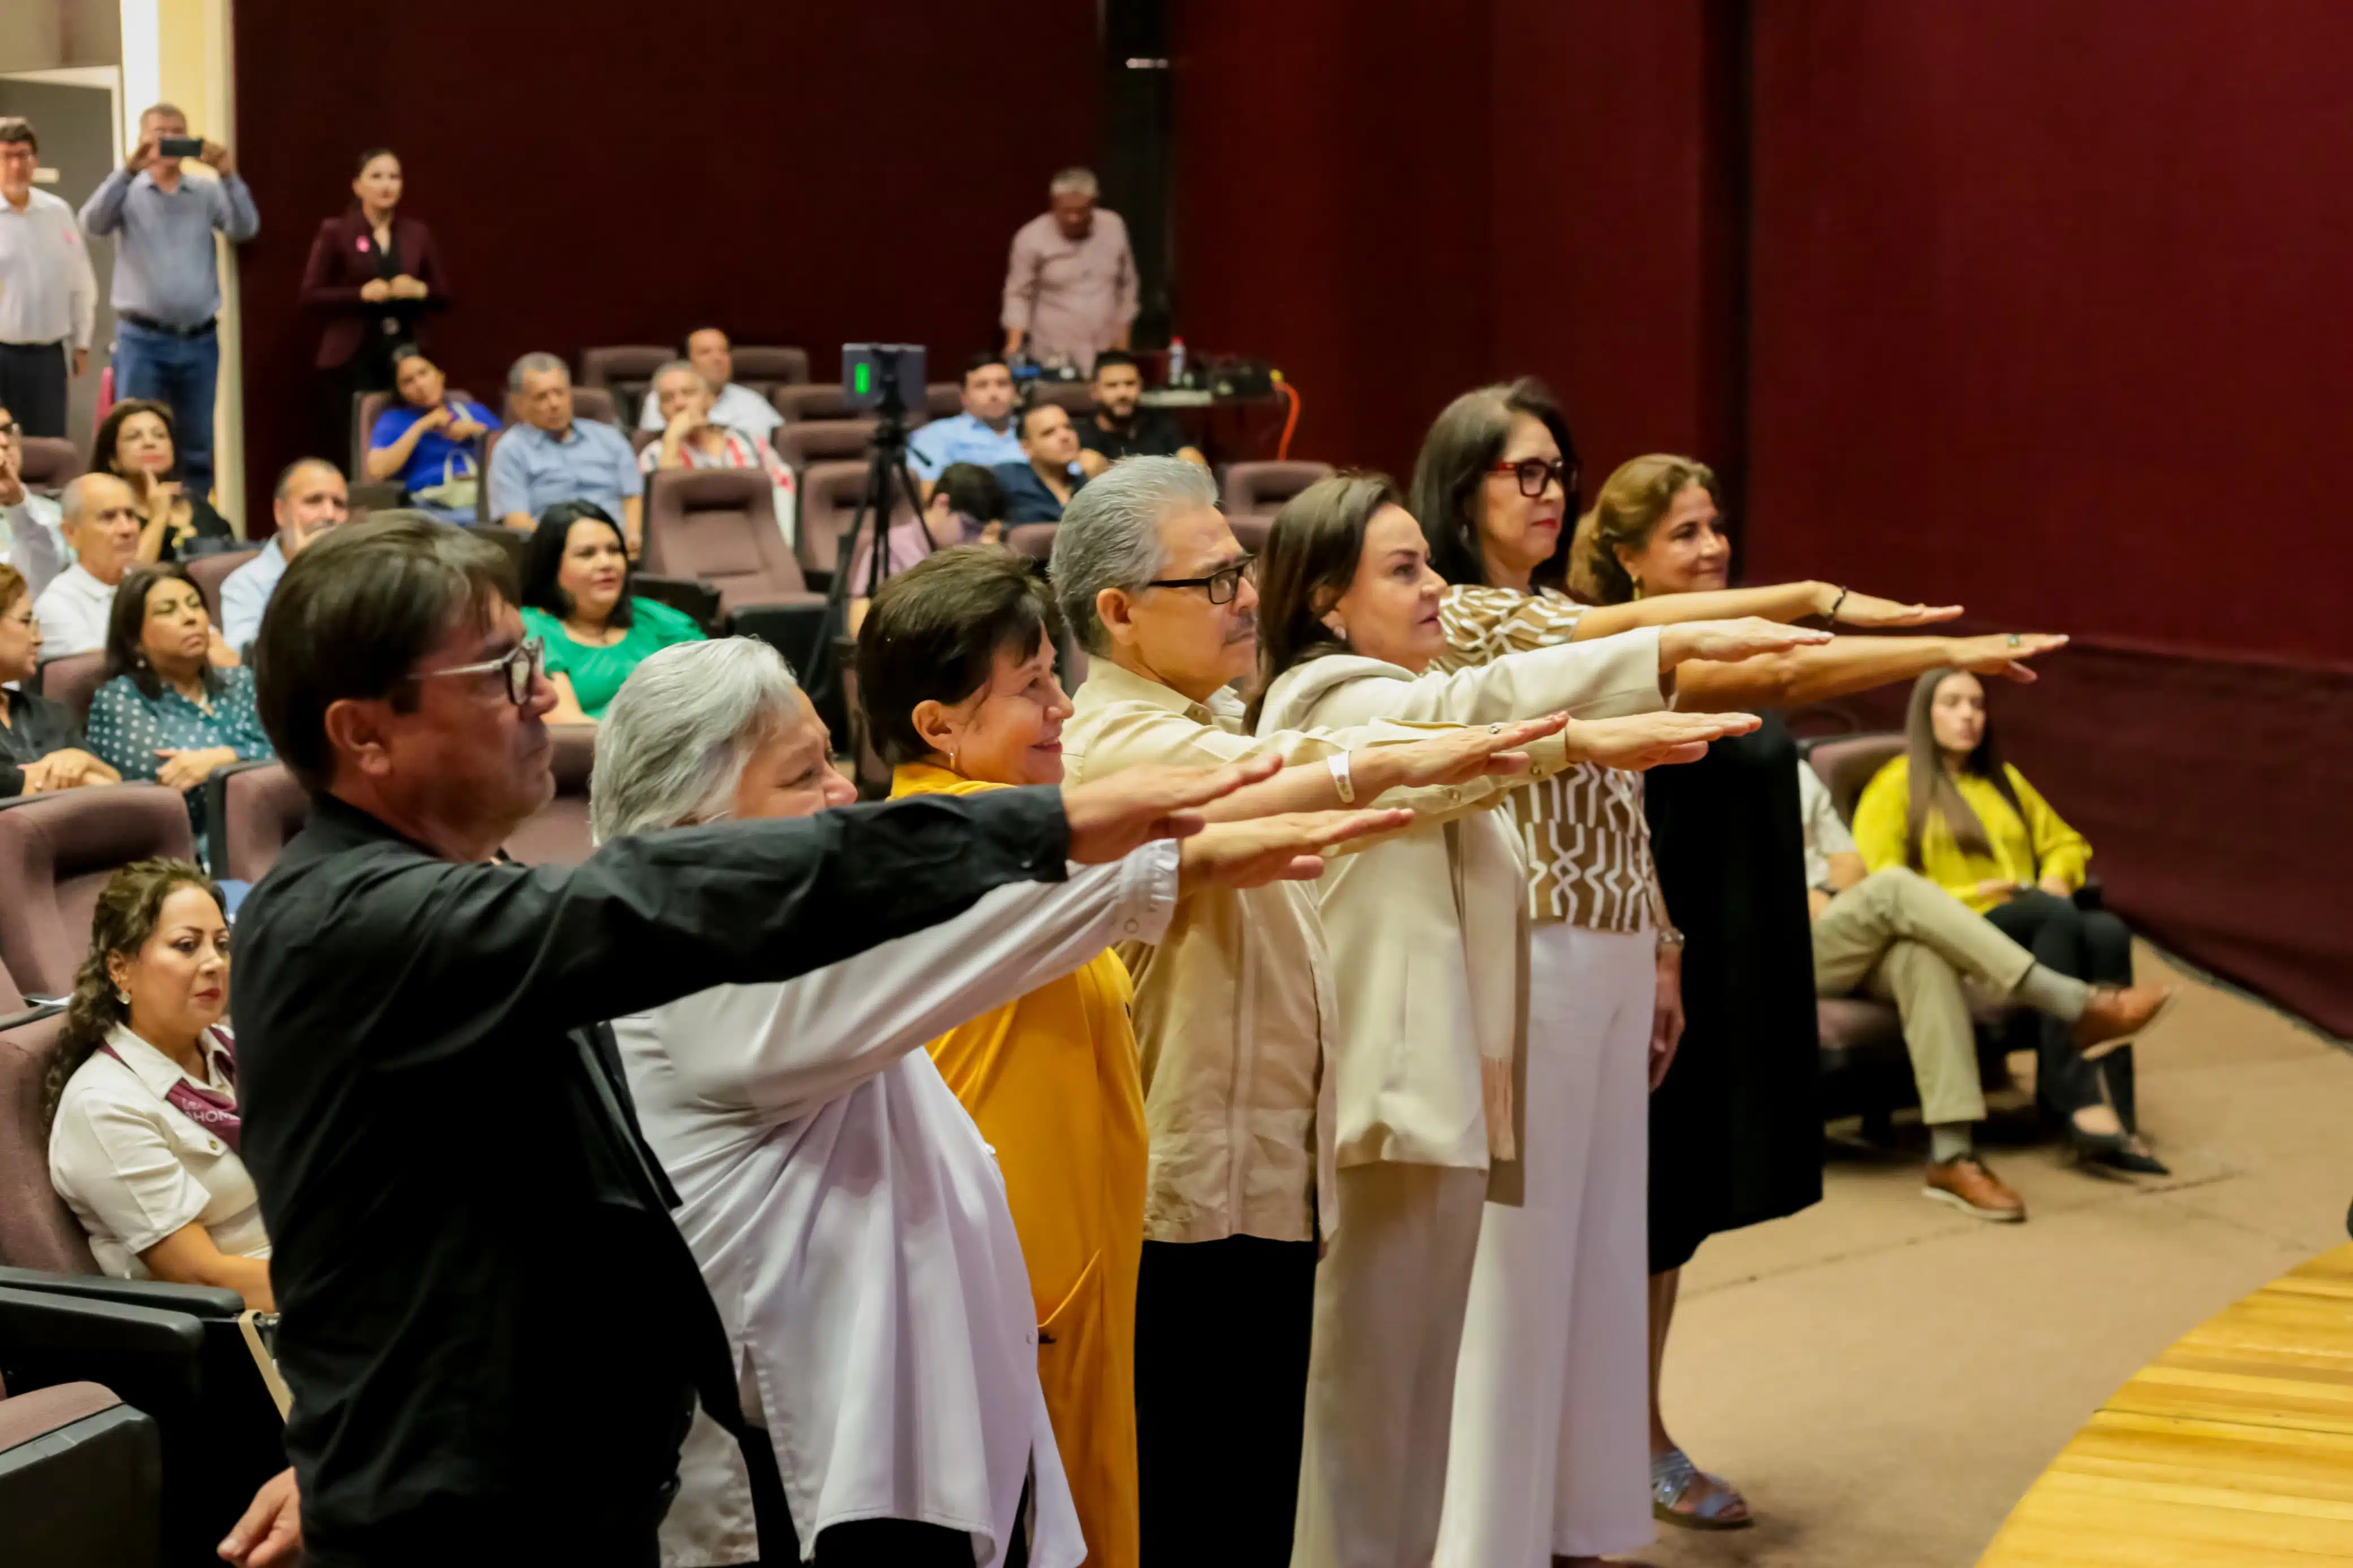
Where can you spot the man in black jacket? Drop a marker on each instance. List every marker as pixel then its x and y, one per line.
pixel 493 1334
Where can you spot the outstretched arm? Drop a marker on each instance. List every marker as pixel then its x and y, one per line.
pixel 1848 664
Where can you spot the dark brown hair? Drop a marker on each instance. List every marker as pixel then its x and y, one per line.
pixel 353 616
pixel 934 632
pixel 123 921
pixel 102 445
pixel 542 561
pixel 126 619
pixel 1464 442
pixel 1310 560
pixel 1932 788
pixel 15 129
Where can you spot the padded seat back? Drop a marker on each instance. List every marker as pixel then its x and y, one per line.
pixel 719 525
pixel 830 496
pixel 48 463
pixel 814 400
pixel 37 1229
pixel 81 1479
pixel 1252 488
pixel 256 808
pixel 72 681
pixel 822 440
pixel 57 852
pixel 763 368
pixel 557 834
pixel 1076 397
pixel 210 571
pixel 1850 762
pixel 587 403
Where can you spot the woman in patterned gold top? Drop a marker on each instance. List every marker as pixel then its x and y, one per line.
pixel 1548 1405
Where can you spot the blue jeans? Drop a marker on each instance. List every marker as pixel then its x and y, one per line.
pixel 183 374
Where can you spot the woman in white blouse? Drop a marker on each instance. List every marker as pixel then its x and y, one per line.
pixel 849 1221
pixel 1429 932
pixel 142 1095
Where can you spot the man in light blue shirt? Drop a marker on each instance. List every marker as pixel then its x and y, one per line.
pixel 985 433
pixel 552 457
pixel 312 499
pixel 167 284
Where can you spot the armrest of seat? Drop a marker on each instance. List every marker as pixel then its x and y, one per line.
pixel 215 1303
pixel 81 1337
pixel 216 809
pixel 690 597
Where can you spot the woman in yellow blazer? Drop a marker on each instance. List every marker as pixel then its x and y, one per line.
pixel 957 681
pixel 1952 810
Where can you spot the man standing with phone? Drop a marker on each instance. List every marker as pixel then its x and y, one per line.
pixel 166 281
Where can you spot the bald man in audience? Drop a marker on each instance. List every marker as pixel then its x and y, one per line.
pixel 737 408
pixel 312 498
pixel 101 523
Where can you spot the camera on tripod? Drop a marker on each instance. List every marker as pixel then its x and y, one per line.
pixel 880 375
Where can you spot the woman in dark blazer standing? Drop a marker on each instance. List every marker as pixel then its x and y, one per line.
pixel 376 275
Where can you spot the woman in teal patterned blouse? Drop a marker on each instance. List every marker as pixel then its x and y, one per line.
pixel 577 599
pixel 165 711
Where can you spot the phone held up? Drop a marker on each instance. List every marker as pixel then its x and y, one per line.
pixel 181 146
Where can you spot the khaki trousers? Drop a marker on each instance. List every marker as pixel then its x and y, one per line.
pixel 1903 939
pixel 1389 1299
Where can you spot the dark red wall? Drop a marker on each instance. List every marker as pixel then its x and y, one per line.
pixel 601 172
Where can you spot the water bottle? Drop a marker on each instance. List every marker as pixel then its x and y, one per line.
pixel 1175 361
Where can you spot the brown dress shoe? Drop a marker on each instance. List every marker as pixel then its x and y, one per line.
pixel 1965 1182
pixel 2114 1013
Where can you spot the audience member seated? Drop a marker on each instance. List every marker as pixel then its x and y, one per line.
pixel 737 408
pixel 576 601
pixel 554 458
pixel 1952 810
pixel 373 274
pixel 984 433
pixel 1037 488
pixel 32 532
pixel 1895 935
pixel 142 1097
pixel 168 710
pixel 694 436
pixel 429 441
pixel 134 444
pixel 311 499
pixel 970 495
pixel 945 522
pixel 101 524
pixel 1121 426
pixel 40 744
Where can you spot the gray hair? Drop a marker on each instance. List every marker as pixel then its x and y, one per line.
pixel 1073 182
pixel 535 363
pixel 673 742
pixel 654 382
pixel 76 499
pixel 1110 536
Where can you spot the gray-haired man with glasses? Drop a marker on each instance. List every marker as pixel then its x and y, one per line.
pixel 494 1335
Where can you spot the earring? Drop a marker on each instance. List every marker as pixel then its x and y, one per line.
pixel 1637 587
pixel 956 760
pixel 122 996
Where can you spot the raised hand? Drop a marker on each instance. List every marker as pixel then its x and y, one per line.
pixel 1870 610
pixel 1262 850
pixel 1726 642
pixel 439 418
pixel 2004 653
pixel 1112 817
pixel 1642 741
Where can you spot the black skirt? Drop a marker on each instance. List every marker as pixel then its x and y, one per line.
pixel 1736 1129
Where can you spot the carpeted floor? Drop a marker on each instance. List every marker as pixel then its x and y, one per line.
pixel 1884 1376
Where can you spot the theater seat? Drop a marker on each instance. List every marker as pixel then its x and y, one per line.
pixel 209 572
pixel 1250 529
pixel 253 809
pixel 1260 489
pixel 830 496
pixel 1076 397
pixel 763 368
pixel 37 1229
pixel 81 1479
pixel 822 440
pixel 943 399
pixel 817 400
pixel 49 463
pixel 624 370
pixel 558 833
pixel 1848 762
pixel 1034 540
pixel 57 852
pixel 72 679
pixel 587 403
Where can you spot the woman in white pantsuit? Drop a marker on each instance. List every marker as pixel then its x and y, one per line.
pixel 1429 934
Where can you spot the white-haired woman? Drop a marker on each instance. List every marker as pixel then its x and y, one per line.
pixel 849 1221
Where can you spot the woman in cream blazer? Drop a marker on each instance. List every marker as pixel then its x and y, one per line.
pixel 1429 932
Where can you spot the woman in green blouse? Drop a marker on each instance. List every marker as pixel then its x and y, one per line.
pixel 576 597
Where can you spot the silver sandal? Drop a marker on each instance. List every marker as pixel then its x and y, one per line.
pixel 1672 1475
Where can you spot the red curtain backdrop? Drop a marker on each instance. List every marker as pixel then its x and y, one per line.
pixel 602 172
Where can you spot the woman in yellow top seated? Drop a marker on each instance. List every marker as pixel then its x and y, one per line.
pixel 955 676
pixel 1952 810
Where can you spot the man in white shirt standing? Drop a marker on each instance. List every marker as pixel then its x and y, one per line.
pixel 32 537
pixel 48 296
pixel 101 520
pixel 737 408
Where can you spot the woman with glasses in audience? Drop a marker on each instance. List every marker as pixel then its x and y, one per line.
pixel 141 1098
pixel 1953 810
pixel 1428 938
pixel 372 274
pixel 429 441
pixel 1549 1410
pixel 689 440
pixel 576 600
pixel 851 1219
pixel 41 746
pixel 135 444
pixel 165 711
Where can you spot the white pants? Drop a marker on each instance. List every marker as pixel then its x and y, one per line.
pixel 1380 1371
pixel 1551 1449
